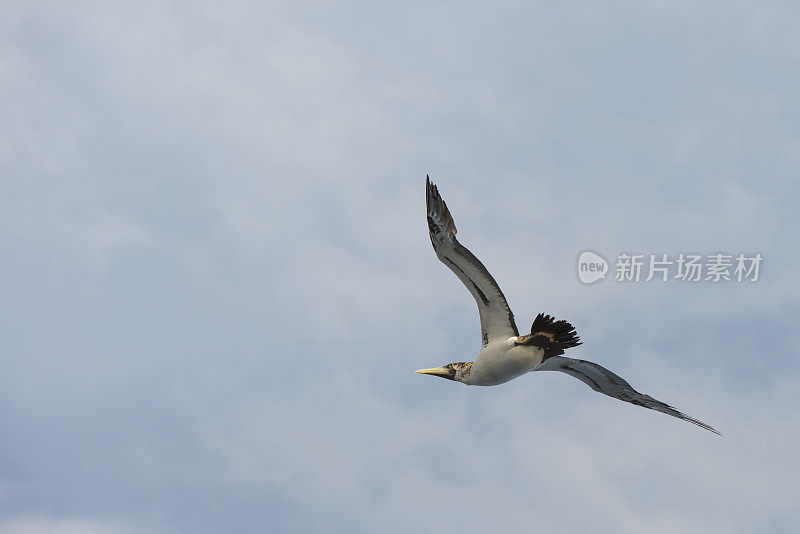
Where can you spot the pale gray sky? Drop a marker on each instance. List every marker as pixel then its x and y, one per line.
pixel 216 277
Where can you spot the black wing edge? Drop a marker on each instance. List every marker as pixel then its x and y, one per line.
pixel 436 207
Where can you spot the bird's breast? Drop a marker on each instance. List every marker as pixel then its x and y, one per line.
pixel 503 361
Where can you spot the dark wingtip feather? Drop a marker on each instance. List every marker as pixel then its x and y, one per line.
pixel 663 407
pixel 439 218
pixel 699 423
pixel 681 415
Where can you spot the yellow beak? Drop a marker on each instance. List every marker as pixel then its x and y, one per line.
pixel 438 371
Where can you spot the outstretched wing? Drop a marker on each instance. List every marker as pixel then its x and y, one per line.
pixel 497 321
pixel 601 379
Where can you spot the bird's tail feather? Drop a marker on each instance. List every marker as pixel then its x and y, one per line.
pixel 551 335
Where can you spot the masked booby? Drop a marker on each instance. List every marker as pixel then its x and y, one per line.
pixel 505 354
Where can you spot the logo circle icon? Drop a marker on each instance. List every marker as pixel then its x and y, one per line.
pixel 591 267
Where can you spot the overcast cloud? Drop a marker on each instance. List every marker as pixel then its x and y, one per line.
pixel 216 277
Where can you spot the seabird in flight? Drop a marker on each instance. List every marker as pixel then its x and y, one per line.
pixel 505 354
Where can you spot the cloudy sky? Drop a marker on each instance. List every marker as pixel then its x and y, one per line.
pixel 216 279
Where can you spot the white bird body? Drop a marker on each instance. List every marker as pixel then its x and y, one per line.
pixel 503 360
pixel 505 354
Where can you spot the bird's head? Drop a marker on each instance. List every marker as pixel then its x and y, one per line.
pixel 458 371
